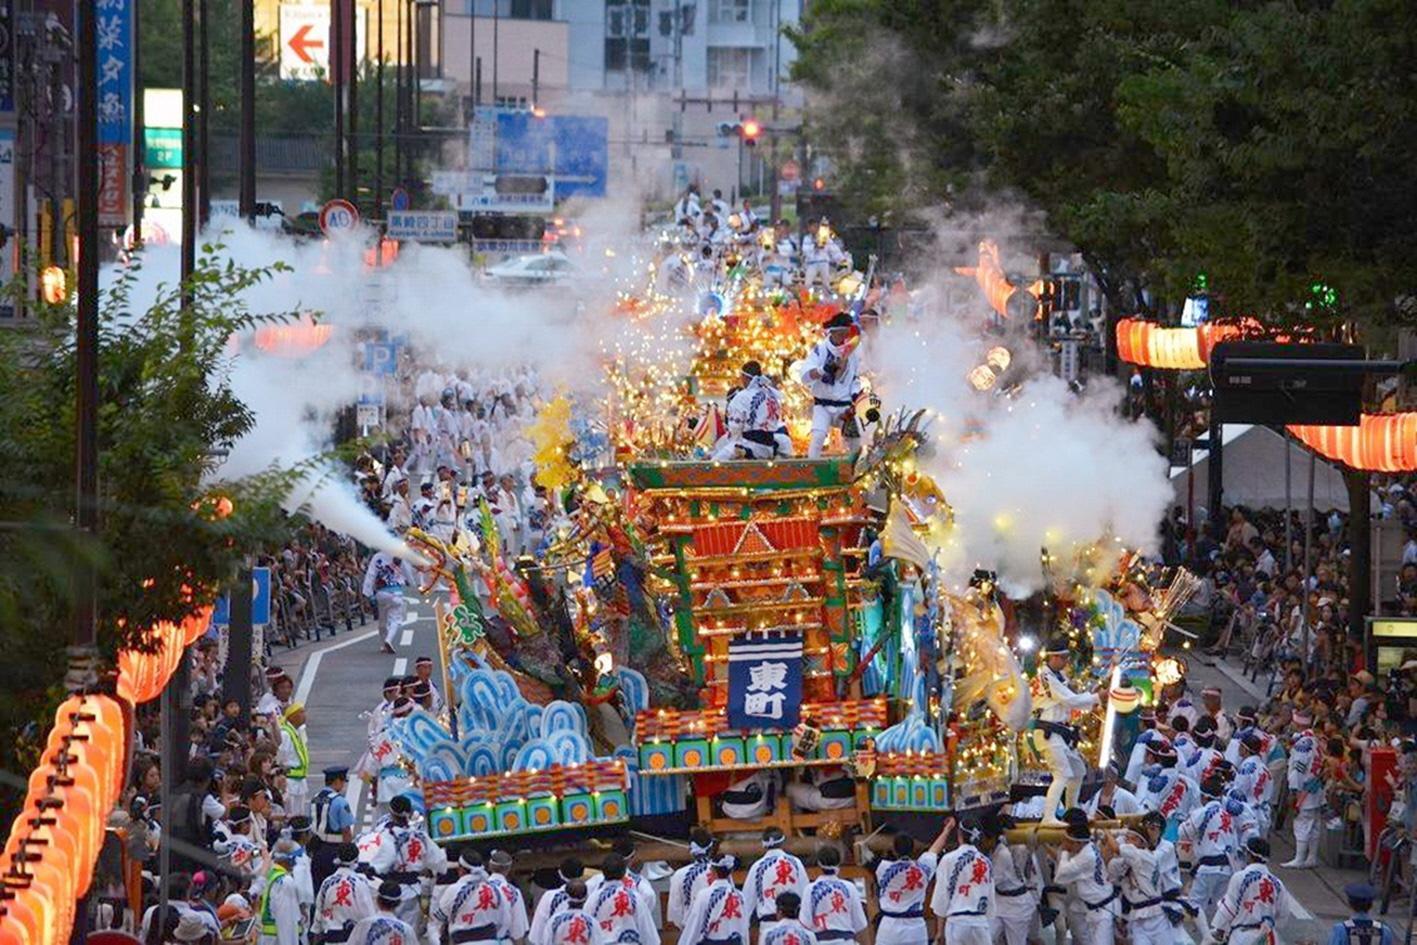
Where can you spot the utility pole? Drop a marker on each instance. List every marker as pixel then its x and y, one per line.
pixel 379 112
pixel 337 84
pixel 139 145
pixel 204 107
pixel 189 166
pixel 351 62
pixel 86 325
pixel 496 29
pixel 399 6
pixel 248 111
pixel 535 78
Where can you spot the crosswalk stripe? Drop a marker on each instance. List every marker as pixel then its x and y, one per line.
pixel 407 638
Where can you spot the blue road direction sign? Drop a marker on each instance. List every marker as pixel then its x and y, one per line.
pixel 572 148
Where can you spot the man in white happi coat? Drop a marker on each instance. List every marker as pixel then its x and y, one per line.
pixel 902 881
pixel 787 927
pixel 1017 882
pixel 688 879
pixel 553 900
pixel 1091 897
pixel 343 899
pixel 756 429
pixel 719 913
pixel 1054 735
pixel 499 865
pixel 623 915
pixel 964 890
pixel 1306 787
pixel 1256 904
pixel 833 908
pixel 384 927
pixel 775 872
pixel 384 582
pixel 471 909
pixel 831 372
pixel 1137 866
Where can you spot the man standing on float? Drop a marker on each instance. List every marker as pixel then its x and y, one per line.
pixel 1054 735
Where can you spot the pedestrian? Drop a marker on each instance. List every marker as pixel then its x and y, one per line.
pixel 775 872
pixel 384 583
pixel 279 909
pixel 1214 839
pixel 964 890
pixel 553 900
pixel 1016 881
pixel 294 756
pixel 1091 899
pixel 756 426
pixel 834 908
pixel 297 829
pixel 471 909
pixel 1306 786
pixel 624 847
pixel 333 823
pixel 423 669
pixel 403 854
pixel 499 864
pixel 572 925
pixel 385 927
pixel 1360 928
pixel 344 897
pixel 279 690
pixel 1137 865
pixel 719 913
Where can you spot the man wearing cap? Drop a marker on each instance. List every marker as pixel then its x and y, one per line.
pixel 471 909
pixel 279 909
pixel 1307 788
pixel 1255 903
pixel 1360 929
pixel 332 822
pixel 831 372
pixel 964 890
pixel 719 914
pixel 385 927
pixel 344 898
pixel 787 927
pixel 1215 839
pixel 616 905
pixel 776 872
pixel 1213 708
pixel 834 910
pixel 756 429
pixel 403 853
pixel 1091 898
pixel 384 583
pixel 423 669
pixel 692 876
pixel 294 756
pixel 498 866
pixel 572 925
pixel 1054 736
pixel 553 900
pixel 1136 864
pixel 279 690
pixel 901 883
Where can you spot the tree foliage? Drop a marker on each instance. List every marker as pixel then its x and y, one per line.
pixel 1266 145
pixel 167 414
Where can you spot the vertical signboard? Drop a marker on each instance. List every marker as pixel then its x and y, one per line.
pixel 7 211
pixel 7 58
pixel 115 107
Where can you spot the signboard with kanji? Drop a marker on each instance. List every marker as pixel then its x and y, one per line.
pixel 115 105
pixel 765 682
pixel 424 226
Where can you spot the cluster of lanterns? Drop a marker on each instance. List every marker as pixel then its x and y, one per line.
pixel 986 375
pixel 1173 349
pixel 48 861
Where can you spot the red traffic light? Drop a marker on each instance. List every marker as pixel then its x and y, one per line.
pixel 751 130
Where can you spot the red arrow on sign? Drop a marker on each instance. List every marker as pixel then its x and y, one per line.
pixel 301 42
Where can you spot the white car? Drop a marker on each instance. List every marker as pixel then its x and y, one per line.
pixel 535 269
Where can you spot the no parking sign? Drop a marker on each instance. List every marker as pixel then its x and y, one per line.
pixel 338 216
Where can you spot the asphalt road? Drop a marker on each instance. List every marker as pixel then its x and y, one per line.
pixel 339 679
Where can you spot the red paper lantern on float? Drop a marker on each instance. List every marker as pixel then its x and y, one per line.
pixel 293 339
pixel 1379 443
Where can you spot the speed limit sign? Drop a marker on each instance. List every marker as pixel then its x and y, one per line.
pixel 338 216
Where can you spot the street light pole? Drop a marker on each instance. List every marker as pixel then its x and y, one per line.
pixel 248 111
pixel 379 112
pixel 337 79
pixel 352 77
pixel 204 107
pixel 86 325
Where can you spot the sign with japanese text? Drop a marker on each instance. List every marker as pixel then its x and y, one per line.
pixel 114 27
pixel 427 226
pixel 765 683
pixel 7 210
pixel 162 148
pixel 305 38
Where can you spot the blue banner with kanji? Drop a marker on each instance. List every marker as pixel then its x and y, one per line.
pixel 115 71
pixel 765 682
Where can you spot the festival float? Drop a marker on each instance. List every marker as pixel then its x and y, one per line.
pixel 689 623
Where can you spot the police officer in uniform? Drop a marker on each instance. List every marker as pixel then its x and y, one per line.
pixel 333 823
pixel 1361 929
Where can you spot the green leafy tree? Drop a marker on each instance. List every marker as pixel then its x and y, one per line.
pixel 167 416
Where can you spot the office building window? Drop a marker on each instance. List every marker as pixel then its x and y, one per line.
pixel 730 11
pixel 627 35
pixel 730 67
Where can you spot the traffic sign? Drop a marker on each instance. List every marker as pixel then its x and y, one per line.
pixel 305 38
pixel 260 595
pixel 381 357
pixel 426 226
pixel 399 200
pixel 338 216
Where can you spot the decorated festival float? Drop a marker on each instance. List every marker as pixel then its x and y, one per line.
pixel 693 626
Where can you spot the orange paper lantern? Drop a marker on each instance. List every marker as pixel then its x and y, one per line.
pixel 1379 443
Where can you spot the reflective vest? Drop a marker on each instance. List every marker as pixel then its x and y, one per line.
pixel 268 922
pixel 302 752
pixel 1363 931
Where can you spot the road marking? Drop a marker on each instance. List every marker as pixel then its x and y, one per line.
pixel 410 617
pixel 407 638
pixel 401 666
pixel 312 665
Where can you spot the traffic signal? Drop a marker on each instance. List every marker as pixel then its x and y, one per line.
pixel 750 130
